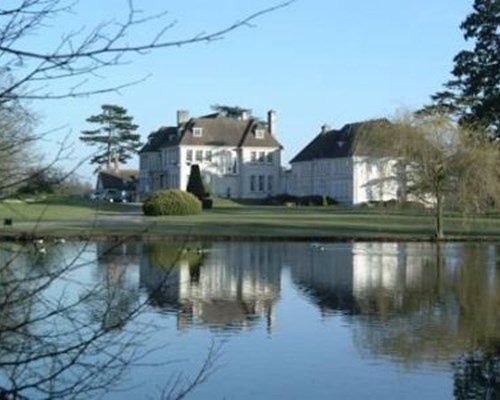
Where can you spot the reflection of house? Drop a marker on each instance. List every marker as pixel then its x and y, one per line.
pixel 236 284
pixel 119 180
pixel 360 277
pixel 239 156
pixel 336 164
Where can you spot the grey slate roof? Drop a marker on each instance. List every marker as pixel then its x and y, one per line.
pixel 339 143
pixel 218 130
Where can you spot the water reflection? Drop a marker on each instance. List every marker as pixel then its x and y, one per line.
pixel 223 285
pixel 416 306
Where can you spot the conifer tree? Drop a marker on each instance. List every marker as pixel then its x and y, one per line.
pixel 473 95
pixel 115 138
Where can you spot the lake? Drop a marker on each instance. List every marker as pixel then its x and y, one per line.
pixel 281 320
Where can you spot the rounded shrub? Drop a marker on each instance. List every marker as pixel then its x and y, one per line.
pixel 171 202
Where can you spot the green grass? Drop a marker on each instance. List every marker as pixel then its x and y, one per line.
pixel 228 219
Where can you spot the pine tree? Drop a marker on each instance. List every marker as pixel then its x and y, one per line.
pixel 115 138
pixel 473 95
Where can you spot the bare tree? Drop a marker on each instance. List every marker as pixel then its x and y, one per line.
pixel 49 348
pixel 441 164
pixel 82 53
pixel 75 340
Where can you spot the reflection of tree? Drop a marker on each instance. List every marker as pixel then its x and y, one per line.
pixel 225 286
pixel 456 313
pixel 50 349
pixel 477 375
pixel 118 295
pixel 412 302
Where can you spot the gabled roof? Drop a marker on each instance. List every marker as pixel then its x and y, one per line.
pixel 339 143
pixel 217 130
pixel 123 179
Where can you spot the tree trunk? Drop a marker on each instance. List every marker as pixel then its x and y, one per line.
pixel 439 217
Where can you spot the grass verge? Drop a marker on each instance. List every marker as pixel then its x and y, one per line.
pixel 78 218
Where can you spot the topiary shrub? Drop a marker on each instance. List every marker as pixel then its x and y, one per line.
pixel 195 183
pixel 171 202
pixel 198 187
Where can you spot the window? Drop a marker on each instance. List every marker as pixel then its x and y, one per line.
pixel 197 131
pixel 269 157
pixel 189 155
pixel 199 155
pixel 253 156
pixel 259 133
pixel 261 183
pixel 252 183
pixel 208 155
pixel 262 156
pixel 270 183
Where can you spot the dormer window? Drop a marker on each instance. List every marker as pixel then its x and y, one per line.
pixel 197 131
pixel 259 133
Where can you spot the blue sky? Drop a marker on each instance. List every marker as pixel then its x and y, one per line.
pixel 314 62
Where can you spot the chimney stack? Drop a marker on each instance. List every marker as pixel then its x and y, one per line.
pixel 245 115
pixel 271 122
pixel 182 117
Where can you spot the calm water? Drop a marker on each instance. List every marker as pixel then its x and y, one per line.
pixel 288 320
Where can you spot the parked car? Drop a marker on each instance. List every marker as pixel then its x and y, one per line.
pixel 115 196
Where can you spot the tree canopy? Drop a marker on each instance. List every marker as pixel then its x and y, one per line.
pixel 115 137
pixel 473 94
pixel 231 111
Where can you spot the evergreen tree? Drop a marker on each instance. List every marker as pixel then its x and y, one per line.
pixel 473 95
pixel 115 138
pixel 231 111
pixel 195 183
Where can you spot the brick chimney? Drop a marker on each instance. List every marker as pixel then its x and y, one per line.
pixel 271 122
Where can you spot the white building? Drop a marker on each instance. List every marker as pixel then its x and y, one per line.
pixel 238 156
pixel 337 165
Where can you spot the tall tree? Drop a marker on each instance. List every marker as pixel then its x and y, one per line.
pixel 115 138
pixel 473 95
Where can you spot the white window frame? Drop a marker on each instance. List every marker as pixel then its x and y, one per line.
pixel 198 155
pixel 260 133
pixel 197 131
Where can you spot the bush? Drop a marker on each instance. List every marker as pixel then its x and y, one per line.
pixel 316 200
pixel 207 204
pixel 171 202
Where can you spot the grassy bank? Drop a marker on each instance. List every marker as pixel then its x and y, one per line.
pixel 231 220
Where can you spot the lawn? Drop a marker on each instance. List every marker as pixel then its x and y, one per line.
pixel 69 217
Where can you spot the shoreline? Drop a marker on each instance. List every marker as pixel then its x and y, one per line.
pixel 23 237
